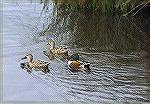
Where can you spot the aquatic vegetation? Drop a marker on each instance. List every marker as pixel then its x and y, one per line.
pixel 100 6
pixel 98 25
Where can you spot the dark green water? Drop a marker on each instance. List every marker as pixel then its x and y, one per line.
pixel 117 48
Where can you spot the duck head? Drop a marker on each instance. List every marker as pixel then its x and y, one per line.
pixel 51 44
pixel 29 58
pixel 74 56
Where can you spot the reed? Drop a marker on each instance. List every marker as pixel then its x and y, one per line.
pixel 96 23
pixel 102 6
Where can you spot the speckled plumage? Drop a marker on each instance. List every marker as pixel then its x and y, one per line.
pixel 36 65
pixel 53 52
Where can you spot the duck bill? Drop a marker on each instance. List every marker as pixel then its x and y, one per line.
pixel 23 58
pixel 48 43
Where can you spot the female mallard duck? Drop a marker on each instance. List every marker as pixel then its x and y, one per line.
pixel 37 65
pixel 75 65
pixel 61 52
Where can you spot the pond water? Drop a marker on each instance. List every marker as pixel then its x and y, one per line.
pixel 120 75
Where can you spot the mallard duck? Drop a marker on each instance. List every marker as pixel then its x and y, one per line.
pixel 58 50
pixel 53 52
pixel 75 65
pixel 37 65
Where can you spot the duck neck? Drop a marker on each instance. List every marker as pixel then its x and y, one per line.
pixel 30 59
pixel 52 45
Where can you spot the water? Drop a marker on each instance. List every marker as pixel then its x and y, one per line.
pixel 114 76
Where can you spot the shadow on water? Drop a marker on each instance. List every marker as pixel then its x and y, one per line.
pixel 117 48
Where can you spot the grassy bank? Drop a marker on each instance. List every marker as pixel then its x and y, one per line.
pixel 100 6
pixel 98 24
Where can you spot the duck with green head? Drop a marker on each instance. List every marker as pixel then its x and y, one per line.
pixel 75 65
pixel 36 65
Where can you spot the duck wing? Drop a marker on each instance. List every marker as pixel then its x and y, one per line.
pixel 38 64
pixel 61 50
pixel 42 62
pixel 84 63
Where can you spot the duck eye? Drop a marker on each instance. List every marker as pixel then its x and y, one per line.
pixel 49 43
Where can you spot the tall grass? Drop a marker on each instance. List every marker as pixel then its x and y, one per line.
pixel 102 6
pixel 96 23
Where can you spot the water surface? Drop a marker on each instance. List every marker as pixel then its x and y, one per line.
pixel 119 71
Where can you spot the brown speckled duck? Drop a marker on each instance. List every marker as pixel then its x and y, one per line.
pixel 53 52
pixel 36 65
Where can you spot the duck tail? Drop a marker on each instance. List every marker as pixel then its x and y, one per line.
pixel 87 66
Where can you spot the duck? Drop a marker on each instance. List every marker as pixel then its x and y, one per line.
pixel 53 52
pixel 75 65
pixel 37 65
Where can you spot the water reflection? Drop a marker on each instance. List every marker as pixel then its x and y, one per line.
pixel 108 82
pixel 116 47
pixel 99 32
